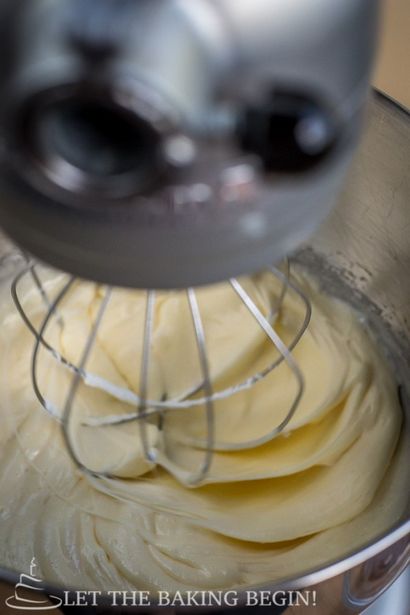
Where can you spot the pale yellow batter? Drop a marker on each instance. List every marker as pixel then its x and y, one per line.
pixel 331 481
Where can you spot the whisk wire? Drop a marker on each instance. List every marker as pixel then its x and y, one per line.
pixel 75 383
pixel 207 385
pixel 142 415
pixel 47 405
pixel 286 356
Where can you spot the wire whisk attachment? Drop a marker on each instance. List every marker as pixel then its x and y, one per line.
pixel 164 374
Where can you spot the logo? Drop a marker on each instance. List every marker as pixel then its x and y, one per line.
pixel 23 601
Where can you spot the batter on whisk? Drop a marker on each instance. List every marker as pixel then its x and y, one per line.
pixel 265 511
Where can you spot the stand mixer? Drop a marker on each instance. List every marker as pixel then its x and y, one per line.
pixel 165 145
pixel 170 145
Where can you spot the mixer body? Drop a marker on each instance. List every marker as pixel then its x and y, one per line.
pixel 169 143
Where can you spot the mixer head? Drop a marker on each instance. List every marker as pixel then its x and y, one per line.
pixel 171 143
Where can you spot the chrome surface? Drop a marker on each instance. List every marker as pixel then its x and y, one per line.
pixel 395 600
pixel 179 81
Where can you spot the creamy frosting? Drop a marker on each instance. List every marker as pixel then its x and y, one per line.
pixel 323 486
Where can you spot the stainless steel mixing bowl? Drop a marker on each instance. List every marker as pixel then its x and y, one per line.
pixel 363 253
